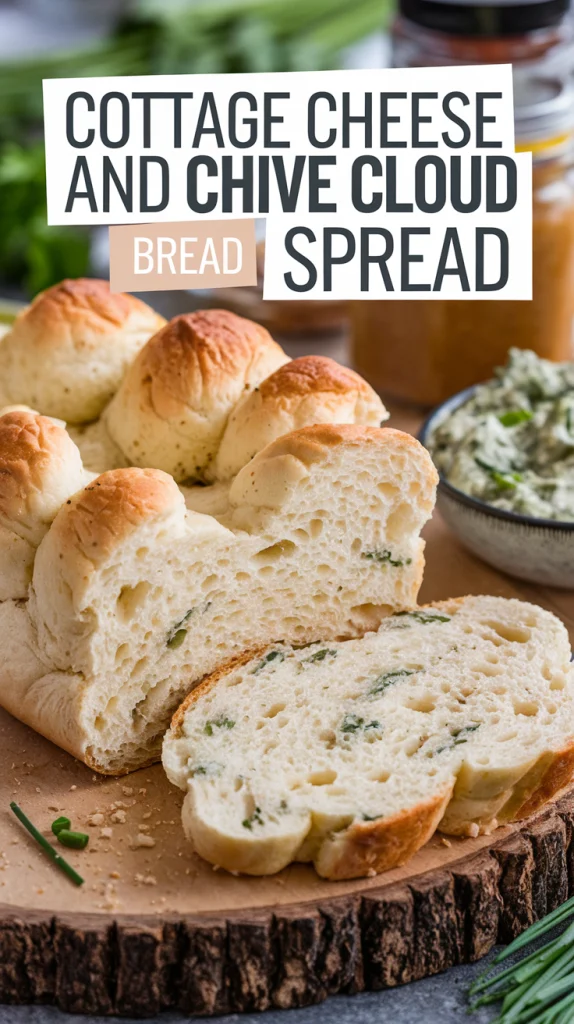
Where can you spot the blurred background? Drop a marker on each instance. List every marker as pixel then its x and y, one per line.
pixel 64 38
pixel 417 351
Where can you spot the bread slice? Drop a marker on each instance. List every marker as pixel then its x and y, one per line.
pixel 455 716
pixel 134 598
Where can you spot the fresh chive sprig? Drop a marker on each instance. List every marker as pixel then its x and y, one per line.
pixel 46 846
pixel 539 989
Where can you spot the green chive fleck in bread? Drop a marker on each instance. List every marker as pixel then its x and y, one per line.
pixel 458 716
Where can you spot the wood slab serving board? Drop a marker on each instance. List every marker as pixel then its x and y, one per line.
pixel 154 927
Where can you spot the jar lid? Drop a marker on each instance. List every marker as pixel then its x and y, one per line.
pixel 489 19
pixel 543 111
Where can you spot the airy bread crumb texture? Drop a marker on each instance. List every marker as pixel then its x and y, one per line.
pixel 350 754
pixel 134 598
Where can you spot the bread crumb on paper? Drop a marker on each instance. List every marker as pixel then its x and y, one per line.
pixel 142 840
pixel 95 819
pixel 145 879
pixel 106 833
pixel 111 901
pixel 119 817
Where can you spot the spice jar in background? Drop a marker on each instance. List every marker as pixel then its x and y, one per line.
pixel 434 33
pixel 423 351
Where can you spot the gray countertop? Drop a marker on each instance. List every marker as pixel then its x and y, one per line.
pixel 438 1000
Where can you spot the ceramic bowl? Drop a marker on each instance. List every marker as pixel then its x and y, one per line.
pixel 538 550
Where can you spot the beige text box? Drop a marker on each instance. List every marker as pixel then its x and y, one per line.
pixel 198 254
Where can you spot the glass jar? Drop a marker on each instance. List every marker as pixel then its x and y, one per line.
pixel 435 33
pixel 424 351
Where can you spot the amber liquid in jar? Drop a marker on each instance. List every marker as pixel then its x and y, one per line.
pixel 424 351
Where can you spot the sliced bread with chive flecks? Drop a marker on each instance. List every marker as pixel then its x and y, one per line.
pixel 458 716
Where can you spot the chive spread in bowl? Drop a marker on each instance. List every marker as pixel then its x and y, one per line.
pixel 511 443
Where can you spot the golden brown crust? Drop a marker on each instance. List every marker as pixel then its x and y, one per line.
pixel 111 507
pixel 86 305
pixel 265 481
pixel 198 351
pixel 313 443
pixel 375 846
pixel 210 680
pixel 29 445
pixel 311 374
pixel 557 776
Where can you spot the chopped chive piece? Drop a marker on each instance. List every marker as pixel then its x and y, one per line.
pixel 385 557
pixel 210 768
pixel 59 824
pixel 75 840
pixel 352 723
pixel 177 634
pixel 506 481
pixel 270 656
pixel 386 679
pixel 219 723
pixel 255 818
pixel 177 639
pixel 514 416
pixel 46 846
pixel 457 737
pixel 423 617
pixel 320 656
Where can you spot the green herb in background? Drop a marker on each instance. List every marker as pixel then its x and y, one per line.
pixel 31 253
pixel 539 989
pixel 515 416
pixel 158 37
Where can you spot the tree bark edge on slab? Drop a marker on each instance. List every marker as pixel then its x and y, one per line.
pixel 295 955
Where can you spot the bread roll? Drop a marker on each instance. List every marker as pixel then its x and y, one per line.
pixel 134 598
pixel 305 391
pixel 67 352
pixel 173 405
pixel 458 715
pixel 40 467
